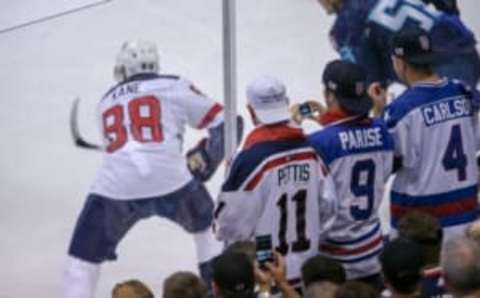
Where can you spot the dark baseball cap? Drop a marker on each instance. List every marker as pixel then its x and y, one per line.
pixel 348 81
pixel 233 274
pixel 402 261
pixel 414 45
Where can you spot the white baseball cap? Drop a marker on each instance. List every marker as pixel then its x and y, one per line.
pixel 267 96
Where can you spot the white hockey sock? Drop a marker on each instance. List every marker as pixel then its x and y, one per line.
pixel 80 278
pixel 207 246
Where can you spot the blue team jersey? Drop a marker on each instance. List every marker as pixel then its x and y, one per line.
pixel 363 30
pixel 359 155
pixel 435 129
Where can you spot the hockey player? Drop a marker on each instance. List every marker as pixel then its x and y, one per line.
pixel 358 152
pixel 363 29
pixel 144 173
pixel 277 190
pixel 434 125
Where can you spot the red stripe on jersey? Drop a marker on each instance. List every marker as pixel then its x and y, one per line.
pixel 276 163
pixel 275 132
pixel 342 251
pixel 210 115
pixel 447 209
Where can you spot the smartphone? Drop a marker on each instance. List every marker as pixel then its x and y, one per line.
pixel 305 110
pixel 264 250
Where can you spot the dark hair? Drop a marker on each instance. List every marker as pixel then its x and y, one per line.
pixel 356 289
pixel 245 247
pixel 138 288
pixel 425 230
pixel 320 268
pixel 184 284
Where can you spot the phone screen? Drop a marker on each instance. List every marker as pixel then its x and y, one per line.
pixel 264 252
pixel 305 110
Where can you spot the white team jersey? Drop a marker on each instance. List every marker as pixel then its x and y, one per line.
pixel 276 186
pixel 359 156
pixel 143 122
pixel 435 130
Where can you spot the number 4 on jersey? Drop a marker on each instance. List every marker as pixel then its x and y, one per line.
pixel 454 157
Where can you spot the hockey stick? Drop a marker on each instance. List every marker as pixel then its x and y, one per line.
pixel 74 131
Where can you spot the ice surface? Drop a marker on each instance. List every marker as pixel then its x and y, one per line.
pixel 44 178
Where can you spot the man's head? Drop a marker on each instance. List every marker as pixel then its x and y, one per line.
pixel 233 276
pixel 412 54
pixel 402 261
pixel 267 101
pixel 320 289
pixel 244 247
pixel 356 289
pixel 320 268
pixel 346 86
pixel 136 57
pixel 461 266
pixel 330 6
pixel 184 285
pixel 131 289
pixel 425 230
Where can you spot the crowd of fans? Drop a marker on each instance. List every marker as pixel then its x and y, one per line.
pixel 415 264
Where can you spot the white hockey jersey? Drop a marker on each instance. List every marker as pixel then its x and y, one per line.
pixel 435 130
pixel 143 121
pixel 359 155
pixel 277 186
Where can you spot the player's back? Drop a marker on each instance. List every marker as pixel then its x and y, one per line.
pixel 274 188
pixel 359 155
pixel 435 132
pixel 143 120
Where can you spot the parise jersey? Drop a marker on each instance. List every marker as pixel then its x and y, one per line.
pixel 143 121
pixel 435 128
pixel 358 152
pixel 277 186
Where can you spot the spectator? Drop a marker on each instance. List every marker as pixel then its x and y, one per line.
pixel 131 289
pixel 321 289
pixel 356 289
pixel 184 284
pixel 246 247
pixel 233 276
pixel 473 231
pixel 274 273
pixel 425 230
pixel 461 267
pixel 320 269
pixel 401 261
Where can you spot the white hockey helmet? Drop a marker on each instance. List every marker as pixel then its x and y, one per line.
pixel 136 57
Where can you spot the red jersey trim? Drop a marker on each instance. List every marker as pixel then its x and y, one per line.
pixel 277 132
pixel 447 209
pixel 210 115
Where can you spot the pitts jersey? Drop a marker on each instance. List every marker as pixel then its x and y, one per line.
pixel 363 30
pixel 358 152
pixel 143 121
pixel 277 186
pixel 435 129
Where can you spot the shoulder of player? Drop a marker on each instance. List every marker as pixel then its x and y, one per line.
pixel 262 156
pixel 407 102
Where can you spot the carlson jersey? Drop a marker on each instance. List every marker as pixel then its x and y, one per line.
pixel 435 128
pixel 359 155
pixel 143 121
pixel 363 30
pixel 277 186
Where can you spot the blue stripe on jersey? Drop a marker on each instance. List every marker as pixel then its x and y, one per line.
pixel 428 98
pixel 434 199
pixel 247 161
pixel 343 139
pixel 357 240
pixel 363 258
